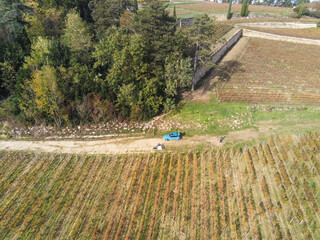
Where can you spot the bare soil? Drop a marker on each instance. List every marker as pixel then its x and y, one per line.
pixel 122 145
pixel 223 7
pixel 307 33
pixel 268 72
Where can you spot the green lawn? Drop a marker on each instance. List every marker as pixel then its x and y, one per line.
pixel 220 118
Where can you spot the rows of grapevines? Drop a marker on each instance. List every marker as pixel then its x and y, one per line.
pixel 267 191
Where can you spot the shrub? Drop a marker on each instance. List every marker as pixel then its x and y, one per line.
pixel 229 15
pixel 301 10
pixel 315 14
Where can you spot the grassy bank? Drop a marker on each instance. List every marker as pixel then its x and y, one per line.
pixel 220 118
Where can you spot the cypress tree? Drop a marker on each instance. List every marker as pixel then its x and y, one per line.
pixel 243 8
pixel 246 13
pixel 174 12
pixel 135 6
pixel 301 10
pixel 229 10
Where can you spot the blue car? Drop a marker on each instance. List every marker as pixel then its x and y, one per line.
pixel 172 136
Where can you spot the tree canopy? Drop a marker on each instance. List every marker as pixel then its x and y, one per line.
pixel 70 62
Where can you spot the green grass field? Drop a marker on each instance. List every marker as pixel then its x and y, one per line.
pixel 220 118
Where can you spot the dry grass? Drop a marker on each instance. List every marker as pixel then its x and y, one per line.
pixel 195 8
pixel 273 71
pixel 249 20
pixel 312 33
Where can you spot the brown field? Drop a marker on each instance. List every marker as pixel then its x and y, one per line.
pixel 312 33
pixel 195 8
pixel 272 71
pixel 266 191
pixel 223 7
pixel 253 20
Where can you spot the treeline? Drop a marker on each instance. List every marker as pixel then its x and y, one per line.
pixel 311 10
pixel 278 3
pixel 70 61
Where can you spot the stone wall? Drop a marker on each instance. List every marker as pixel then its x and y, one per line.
pixel 219 52
pixel 183 22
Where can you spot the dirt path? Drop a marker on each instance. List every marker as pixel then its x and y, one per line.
pixel 121 145
pixel 124 145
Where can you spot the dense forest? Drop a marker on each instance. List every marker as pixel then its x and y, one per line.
pixel 76 61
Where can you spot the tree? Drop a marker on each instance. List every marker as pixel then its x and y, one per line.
pixel 47 95
pixel 106 13
pixel 126 20
pixel 229 15
pixel 200 32
pixel 287 3
pixel 14 43
pixel 178 75
pixel 136 68
pixel 135 6
pixel 135 71
pixel 11 20
pixel 174 12
pixel 45 23
pixel 40 99
pixel 244 9
pixel 39 54
pixel 94 108
pixel 8 77
pixel 299 2
pixel 158 29
pixel 301 10
pixel 80 5
pixel 77 35
pixel 246 13
pixel 59 54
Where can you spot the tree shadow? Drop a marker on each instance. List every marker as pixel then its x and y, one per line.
pixel 225 71
pixel 219 75
pixel 182 134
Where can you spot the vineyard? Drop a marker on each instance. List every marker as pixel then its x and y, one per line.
pixel 267 191
pixel 223 7
pixel 193 8
pixel 259 75
pixel 312 33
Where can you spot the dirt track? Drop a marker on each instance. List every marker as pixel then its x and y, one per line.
pixel 121 145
